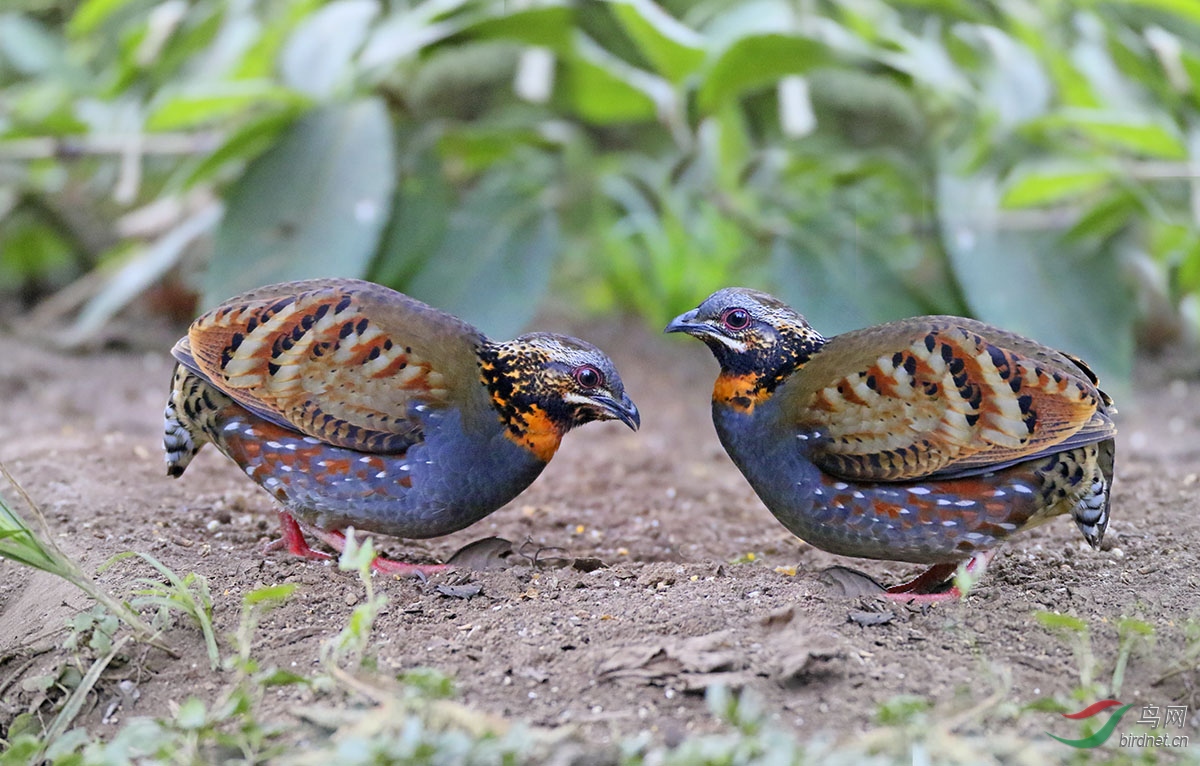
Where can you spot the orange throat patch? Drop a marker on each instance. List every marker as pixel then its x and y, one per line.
pixel 536 432
pixel 741 392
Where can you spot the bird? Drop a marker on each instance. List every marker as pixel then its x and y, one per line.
pixel 928 440
pixel 355 405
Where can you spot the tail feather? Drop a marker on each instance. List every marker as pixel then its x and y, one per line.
pixel 184 421
pixel 1091 512
pixel 178 443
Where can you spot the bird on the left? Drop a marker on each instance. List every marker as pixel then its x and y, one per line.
pixel 354 405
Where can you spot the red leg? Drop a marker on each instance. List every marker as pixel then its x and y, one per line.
pixel 337 541
pixel 921 589
pixel 293 540
pixel 392 567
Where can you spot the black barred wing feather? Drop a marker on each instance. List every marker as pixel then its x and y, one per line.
pixel 941 397
pixel 340 360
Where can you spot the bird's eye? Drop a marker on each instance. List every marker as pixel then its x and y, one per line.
pixel 589 377
pixel 736 319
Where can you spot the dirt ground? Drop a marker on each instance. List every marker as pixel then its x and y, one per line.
pixel 628 646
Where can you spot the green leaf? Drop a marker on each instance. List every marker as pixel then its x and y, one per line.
pixel 755 62
pixel 24 725
pixel 245 143
pixel 1186 9
pixel 277 677
pixel 600 97
pixel 269 594
pixel 903 709
pixel 409 31
pixel 217 101
pixel 260 59
pixel 138 269
pixel 744 19
pixel 1191 66
pixel 549 26
pixel 168 47
pixel 865 109
pixel 1037 281
pixel 1105 218
pixel 1133 133
pixel 956 9
pixel 420 216
pixel 357 557
pixel 840 286
pixel 1074 89
pixel 1057 621
pixel 929 59
pixel 1131 625
pixel 675 49
pixel 733 144
pixel 1016 87
pixel 191 715
pixel 494 264
pixel 604 90
pixel 473 150
pixel 1187 253
pixel 62 751
pixel 33 249
pixel 92 13
pixel 29 47
pixel 431 682
pixel 314 205
pixel 1047 183
pixel 318 58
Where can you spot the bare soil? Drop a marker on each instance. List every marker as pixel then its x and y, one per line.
pixel 694 581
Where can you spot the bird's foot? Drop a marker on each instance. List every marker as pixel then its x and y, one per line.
pixel 293 540
pixel 403 569
pixel 930 586
pixel 337 541
pixel 927 587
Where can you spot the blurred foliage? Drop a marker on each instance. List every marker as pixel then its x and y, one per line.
pixel 1030 163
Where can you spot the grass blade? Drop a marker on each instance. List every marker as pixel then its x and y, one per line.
pixel 21 544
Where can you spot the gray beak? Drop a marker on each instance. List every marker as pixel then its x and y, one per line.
pixel 686 322
pixel 625 410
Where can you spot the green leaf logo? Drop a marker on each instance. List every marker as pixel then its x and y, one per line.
pixel 1101 736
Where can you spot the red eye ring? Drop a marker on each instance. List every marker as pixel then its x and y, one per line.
pixel 589 377
pixel 736 318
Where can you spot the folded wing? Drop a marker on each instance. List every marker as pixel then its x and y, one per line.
pixel 941 397
pixel 344 361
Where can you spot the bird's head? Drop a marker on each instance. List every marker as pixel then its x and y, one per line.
pixel 756 337
pixel 546 384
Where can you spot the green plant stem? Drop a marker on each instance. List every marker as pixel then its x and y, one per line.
pixel 57 562
pixel 75 702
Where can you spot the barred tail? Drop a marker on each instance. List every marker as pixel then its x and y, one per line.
pixel 1091 512
pixel 183 432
